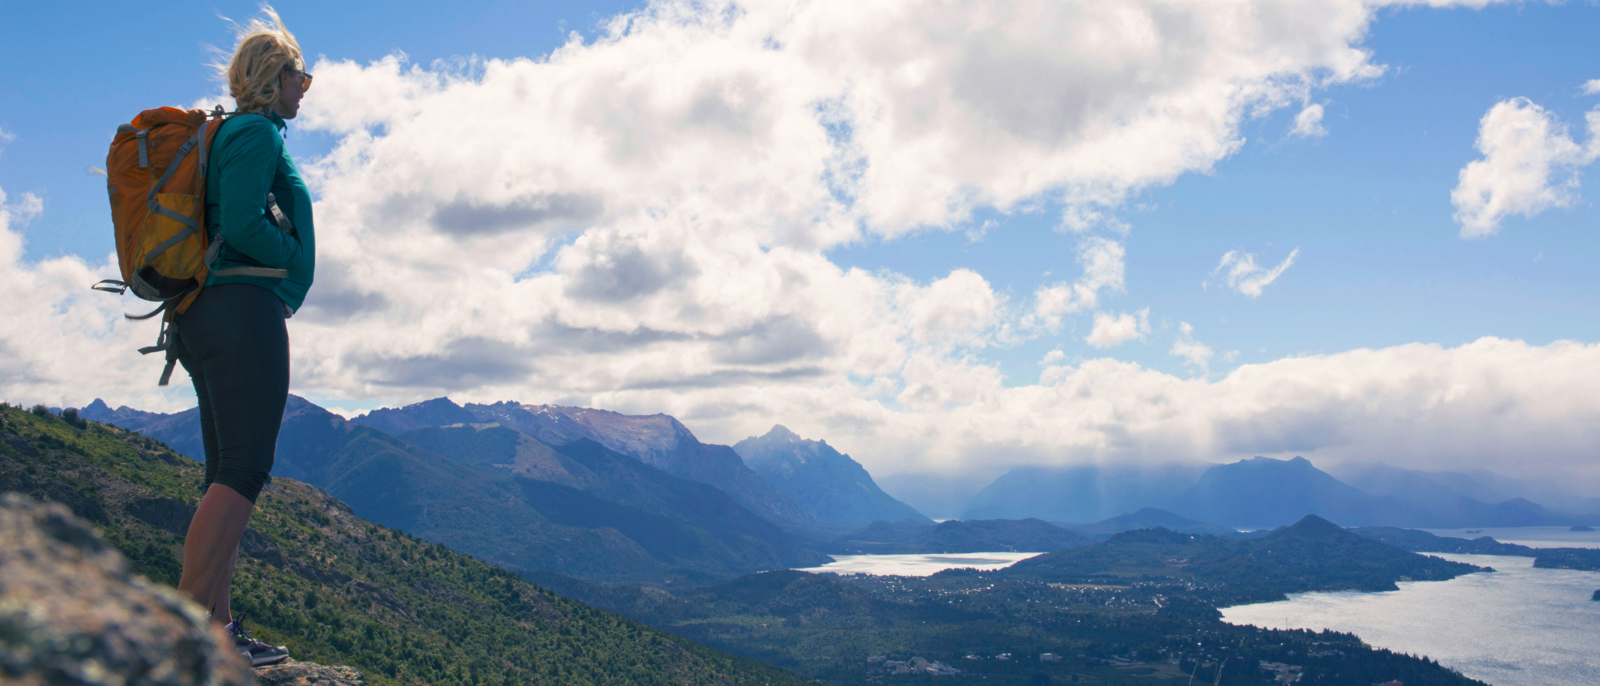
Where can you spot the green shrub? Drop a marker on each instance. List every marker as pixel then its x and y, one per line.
pixel 70 415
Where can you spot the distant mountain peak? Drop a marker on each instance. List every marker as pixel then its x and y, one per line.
pixel 780 432
pixel 1312 526
pixel 829 485
pixel 1264 461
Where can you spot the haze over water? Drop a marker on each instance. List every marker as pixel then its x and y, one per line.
pixel 1518 626
pixel 917 565
pixel 1531 536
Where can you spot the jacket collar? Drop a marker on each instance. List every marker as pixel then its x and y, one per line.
pixel 276 120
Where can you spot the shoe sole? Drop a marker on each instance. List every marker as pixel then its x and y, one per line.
pixel 265 661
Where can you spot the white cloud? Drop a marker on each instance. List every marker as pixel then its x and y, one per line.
pixel 1111 331
pixel 62 340
pixel 955 309
pixel 1493 404
pixel 1241 273
pixel 1193 352
pixel 1104 268
pixel 1592 87
pixel 1308 124
pixel 1530 164
pixel 1486 404
pixel 642 223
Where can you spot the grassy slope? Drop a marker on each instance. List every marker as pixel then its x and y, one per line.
pixel 341 590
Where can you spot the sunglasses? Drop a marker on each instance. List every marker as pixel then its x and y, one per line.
pixel 305 77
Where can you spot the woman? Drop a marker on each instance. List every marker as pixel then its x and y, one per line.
pixel 233 340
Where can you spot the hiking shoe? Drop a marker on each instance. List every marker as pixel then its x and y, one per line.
pixel 256 652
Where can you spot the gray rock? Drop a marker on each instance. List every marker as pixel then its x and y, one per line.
pixel 73 612
pixel 293 673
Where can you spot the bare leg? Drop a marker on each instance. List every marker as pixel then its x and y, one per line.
pixel 213 540
pixel 221 612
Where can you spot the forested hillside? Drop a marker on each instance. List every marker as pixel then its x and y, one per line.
pixel 1000 628
pixel 341 590
pixel 1312 555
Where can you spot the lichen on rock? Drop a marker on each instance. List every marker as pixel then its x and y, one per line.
pixel 294 673
pixel 73 612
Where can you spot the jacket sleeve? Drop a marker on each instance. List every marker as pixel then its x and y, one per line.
pixel 301 270
pixel 248 164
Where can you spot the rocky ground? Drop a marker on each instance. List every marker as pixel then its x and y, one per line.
pixel 293 673
pixel 71 611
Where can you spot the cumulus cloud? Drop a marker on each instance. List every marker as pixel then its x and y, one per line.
pixel 956 308
pixel 1308 124
pixel 1194 353
pixel 641 222
pixel 1241 273
pixel 1592 87
pixel 1111 331
pixel 61 339
pixel 1104 270
pixel 1490 404
pixel 1530 164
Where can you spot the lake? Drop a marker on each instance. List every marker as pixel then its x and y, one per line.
pixel 1518 626
pixel 1531 536
pixel 917 565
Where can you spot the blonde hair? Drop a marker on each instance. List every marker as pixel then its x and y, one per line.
pixel 262 52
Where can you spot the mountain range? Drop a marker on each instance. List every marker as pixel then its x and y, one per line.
pixel 1010 535
pixel 580 509
pixel 833 489
pixel 656 440
pixel 337 588
pixel 561 500
pixel 1085 493
pixel 340 589
pixel 1259 492
pixel 1313 553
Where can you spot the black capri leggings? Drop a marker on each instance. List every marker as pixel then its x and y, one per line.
pixel 234 345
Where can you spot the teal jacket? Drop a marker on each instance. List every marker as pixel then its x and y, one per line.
pixel 248 160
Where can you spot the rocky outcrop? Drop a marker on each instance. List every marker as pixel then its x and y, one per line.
pixel 71 611
pixel 293 673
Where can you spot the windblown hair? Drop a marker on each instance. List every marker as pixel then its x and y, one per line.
pixel 264 49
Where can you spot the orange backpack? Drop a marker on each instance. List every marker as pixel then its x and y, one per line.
pixel 156 175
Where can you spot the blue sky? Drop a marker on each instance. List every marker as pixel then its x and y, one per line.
pixel 1380 263
pixel 1368 204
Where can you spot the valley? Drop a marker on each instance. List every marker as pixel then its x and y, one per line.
pixel 625 514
